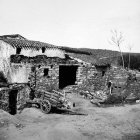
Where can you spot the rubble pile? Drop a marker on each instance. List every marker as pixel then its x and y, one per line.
pixel 123 85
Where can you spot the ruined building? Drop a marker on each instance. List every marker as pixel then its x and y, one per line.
pixel 44 66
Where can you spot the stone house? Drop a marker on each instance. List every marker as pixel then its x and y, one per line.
pixel 24 61
pixel 42 65
pixel 18 57
pixel 45 66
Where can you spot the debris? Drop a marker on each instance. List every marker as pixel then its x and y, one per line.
pixel 19 125
pixel 137 101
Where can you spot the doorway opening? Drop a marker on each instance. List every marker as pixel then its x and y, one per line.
pixel 67 75
pixel 13 102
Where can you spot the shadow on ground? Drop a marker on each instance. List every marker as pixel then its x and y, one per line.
pixel 65 112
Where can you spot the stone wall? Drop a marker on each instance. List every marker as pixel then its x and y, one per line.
pixel 20 94
pixel 4 99
pixel 118 77
pixel 22 65
pixel 89 78
pixel 45 77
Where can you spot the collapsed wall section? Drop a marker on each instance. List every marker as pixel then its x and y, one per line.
pixel 90 79
pixel 44 77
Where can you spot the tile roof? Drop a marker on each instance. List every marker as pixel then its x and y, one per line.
pixel 18 41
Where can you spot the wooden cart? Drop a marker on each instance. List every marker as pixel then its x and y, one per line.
pixel 41 99
pixel 46 100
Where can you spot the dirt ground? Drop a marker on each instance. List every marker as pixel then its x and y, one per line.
pixel 85 122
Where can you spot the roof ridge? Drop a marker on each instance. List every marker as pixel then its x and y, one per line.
pixel 12 36
pixel 26 43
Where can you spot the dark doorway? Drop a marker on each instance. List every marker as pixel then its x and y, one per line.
pixel 18 50
pixel 13 102
pixel 46 71
pixel 67 75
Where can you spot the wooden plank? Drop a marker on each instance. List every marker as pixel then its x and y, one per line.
pixel 46 98
pixel 59 93
pixel 51 96
pixel 46 95
pixel 57 99
pixel 55 95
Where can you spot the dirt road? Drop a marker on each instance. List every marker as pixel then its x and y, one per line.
pixel 88 123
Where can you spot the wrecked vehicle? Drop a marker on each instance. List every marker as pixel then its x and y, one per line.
pixel 46 100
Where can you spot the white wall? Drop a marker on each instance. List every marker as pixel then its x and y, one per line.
pixel 6 50
pixel 20 73
pixel 50 52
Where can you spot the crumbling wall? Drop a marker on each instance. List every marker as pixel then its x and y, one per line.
pixel 124 83
pixel 20 73
pixel 5 67
pixel 22 96
pixel 49 80
pixel 6 50
pixel 88 78
pixel 118 77
pixel 4 99
pixel 117 74
pixel 23 93
pixel 132 87
pixel 32 69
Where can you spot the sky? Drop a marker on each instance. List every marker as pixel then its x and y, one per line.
pixel 73 23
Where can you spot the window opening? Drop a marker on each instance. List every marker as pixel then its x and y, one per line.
pixel 46 71
pixel 43 49
pixel 18 50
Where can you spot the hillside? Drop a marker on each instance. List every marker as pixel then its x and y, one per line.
pixel 102 56
pixel 95 55
pixel 101 53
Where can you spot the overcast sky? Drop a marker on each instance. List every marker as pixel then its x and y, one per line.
pixel 73 23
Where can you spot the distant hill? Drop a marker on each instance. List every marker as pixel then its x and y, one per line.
pixel 101 53
pixel 96 56
pixel 103 57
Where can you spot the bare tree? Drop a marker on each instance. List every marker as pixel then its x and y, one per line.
pixel 129 47
pixel 117 39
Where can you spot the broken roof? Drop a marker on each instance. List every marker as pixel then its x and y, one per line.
pixel 18 41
